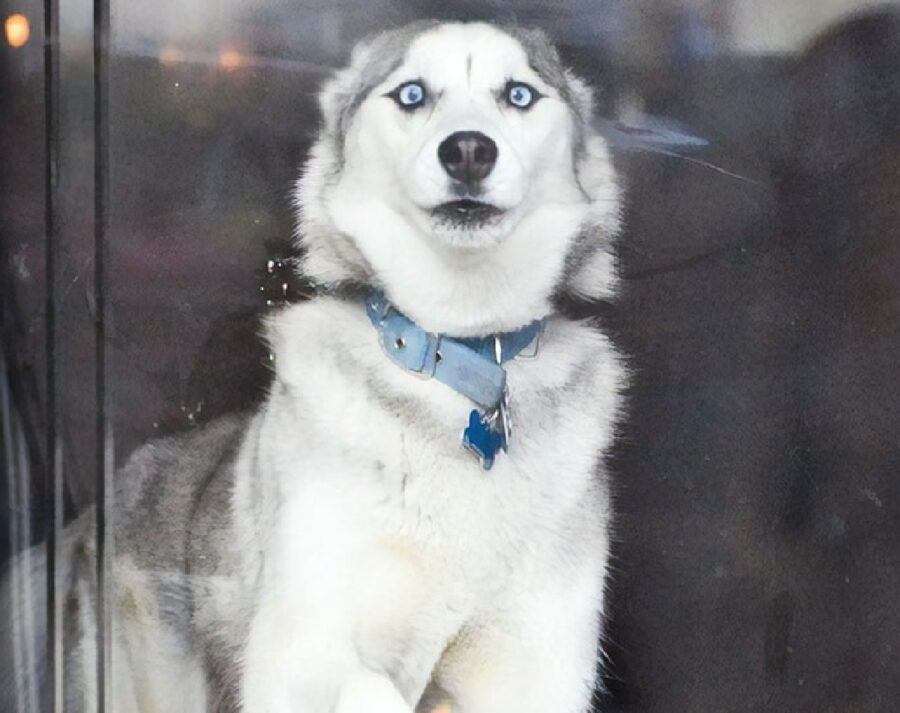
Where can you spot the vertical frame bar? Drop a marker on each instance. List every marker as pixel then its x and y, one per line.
pixel 105 464
pixel 53 486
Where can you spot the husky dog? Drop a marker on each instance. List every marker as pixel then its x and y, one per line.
pixel 418 515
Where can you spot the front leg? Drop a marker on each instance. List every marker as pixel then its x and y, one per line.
pixel 310 668
pixel 538 656
pixel 301 653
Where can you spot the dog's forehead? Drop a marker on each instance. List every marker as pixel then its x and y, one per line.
pixel 448 53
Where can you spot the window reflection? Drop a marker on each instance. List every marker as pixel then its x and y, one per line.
pixel 759 145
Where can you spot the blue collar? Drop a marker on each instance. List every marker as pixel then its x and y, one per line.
pixel 471 367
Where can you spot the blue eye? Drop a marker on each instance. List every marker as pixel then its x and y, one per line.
pixel 410 95
pixel 520 95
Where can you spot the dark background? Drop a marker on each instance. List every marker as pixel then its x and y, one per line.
pixel 757 552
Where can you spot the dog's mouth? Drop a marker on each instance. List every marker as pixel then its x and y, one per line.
pixel 466 213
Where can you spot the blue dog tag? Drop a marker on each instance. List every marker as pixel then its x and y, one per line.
pixel 481 438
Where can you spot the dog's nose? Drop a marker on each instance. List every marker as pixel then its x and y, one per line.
pixel 468 156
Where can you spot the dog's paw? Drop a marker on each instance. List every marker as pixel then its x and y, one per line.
pixel 369 692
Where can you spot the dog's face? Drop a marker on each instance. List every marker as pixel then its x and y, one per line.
pixel 455 158
pixel 461 136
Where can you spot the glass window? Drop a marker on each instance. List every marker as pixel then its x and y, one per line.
pixel 151 152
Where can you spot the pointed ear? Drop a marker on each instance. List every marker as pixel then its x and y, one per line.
pixel 591 265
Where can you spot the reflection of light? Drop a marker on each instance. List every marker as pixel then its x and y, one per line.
pixel 17 30
pixel 169 55
pixel 230 60
pixel 201 119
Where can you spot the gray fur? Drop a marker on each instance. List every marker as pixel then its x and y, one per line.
pixel 168 521
pixel 373 61
pixel 590 241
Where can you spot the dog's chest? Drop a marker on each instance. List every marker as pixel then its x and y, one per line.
pixel 370 460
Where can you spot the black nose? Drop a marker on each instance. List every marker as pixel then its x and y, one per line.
pixel 468 156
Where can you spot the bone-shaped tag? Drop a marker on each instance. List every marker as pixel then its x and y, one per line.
pixel 482 439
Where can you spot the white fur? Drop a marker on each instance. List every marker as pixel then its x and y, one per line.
pixel 394 560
